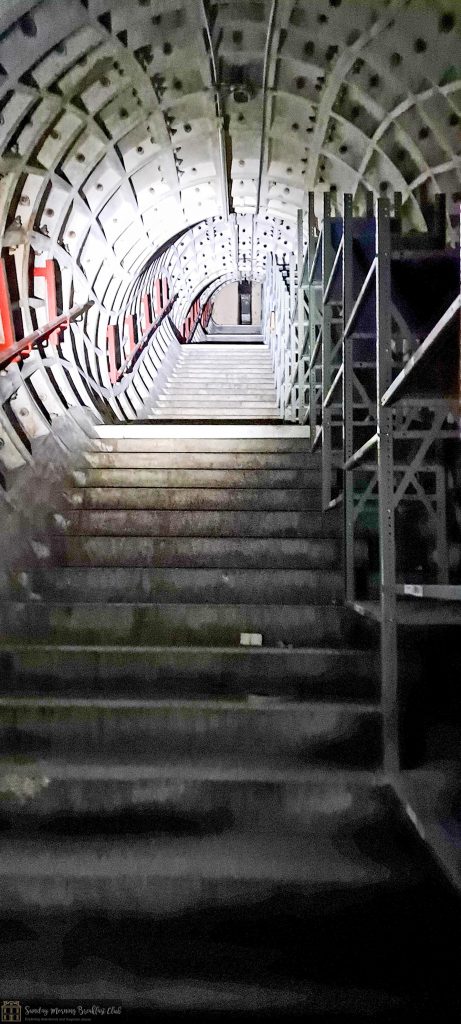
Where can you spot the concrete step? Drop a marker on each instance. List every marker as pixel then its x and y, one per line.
pixel 248 358
pixel 211 416
pixel 209 738
pixel 179 445
pixel 206 460
pixel 203 410
pixel 209 624
pixel 216 379
pixel 221 368
pixel 241 387
pixel 190 585
pixel 29 669
pixel 199 797
pixel 226 398
pixel 190 395
pixel 223 947
pixel 233 399
pixel 262 553
pixel 159 876
pixel 193 498
pixel 225 353
pixel 209 478
pixel 207 525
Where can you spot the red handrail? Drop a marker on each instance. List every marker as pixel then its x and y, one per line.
pixel 42 333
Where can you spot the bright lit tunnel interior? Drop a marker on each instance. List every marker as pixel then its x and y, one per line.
pixel 152 152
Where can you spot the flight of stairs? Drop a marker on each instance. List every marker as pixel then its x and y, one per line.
pixel 188 823
pixel 220 382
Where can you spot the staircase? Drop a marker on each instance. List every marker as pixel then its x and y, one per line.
pixel 220 382
pixel 193 815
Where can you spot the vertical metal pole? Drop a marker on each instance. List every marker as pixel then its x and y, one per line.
pixel 301 360
pixel 386 504
pixel 348 400
pixel 285 342
pixel 398 208
pixel 369 199
pixel 291 339
pixel 327 266
pixel 312 318
pixel 441 520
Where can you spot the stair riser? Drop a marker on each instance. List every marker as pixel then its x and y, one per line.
pixel 187 552
pixel 122 887
pixel 281 739
pixel 270 445
pixel 203 412
pixel 156 804
pixel 189 673
pixel 196 404
pixel 206 461
pixel 223 374
pixel 262 388
pixel 226 478
pixel 207 499
pixel 187 624
pixel 206 525
pixel 252 381
pixel 210 416
pixel 196 586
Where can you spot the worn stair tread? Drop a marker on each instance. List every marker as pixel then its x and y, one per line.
pixel 167 419
pixel 213 478
pixel 217 585
pixel 224 768
pixel 236 651
pixel 228 551
pixel 248 729
pixel 316 859
pixel 189 670
pixel 249 704
pixel 207 498
pixel 136 619
pixel 208 444
pixel 208 525
pixel 196 460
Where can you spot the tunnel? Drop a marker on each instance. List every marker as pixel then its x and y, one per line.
pixel 230 509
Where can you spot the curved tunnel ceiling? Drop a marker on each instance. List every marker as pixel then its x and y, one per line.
pixel 126 124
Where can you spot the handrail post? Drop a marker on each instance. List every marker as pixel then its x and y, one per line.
pixel 312 318
pixel 301 339
pixel 327 266
pixel 386 498
pixel 348 396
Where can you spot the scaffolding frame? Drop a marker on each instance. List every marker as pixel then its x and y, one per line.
pixel 368 415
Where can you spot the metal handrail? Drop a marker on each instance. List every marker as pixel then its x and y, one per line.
pixel 130 363
pixel 43 333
